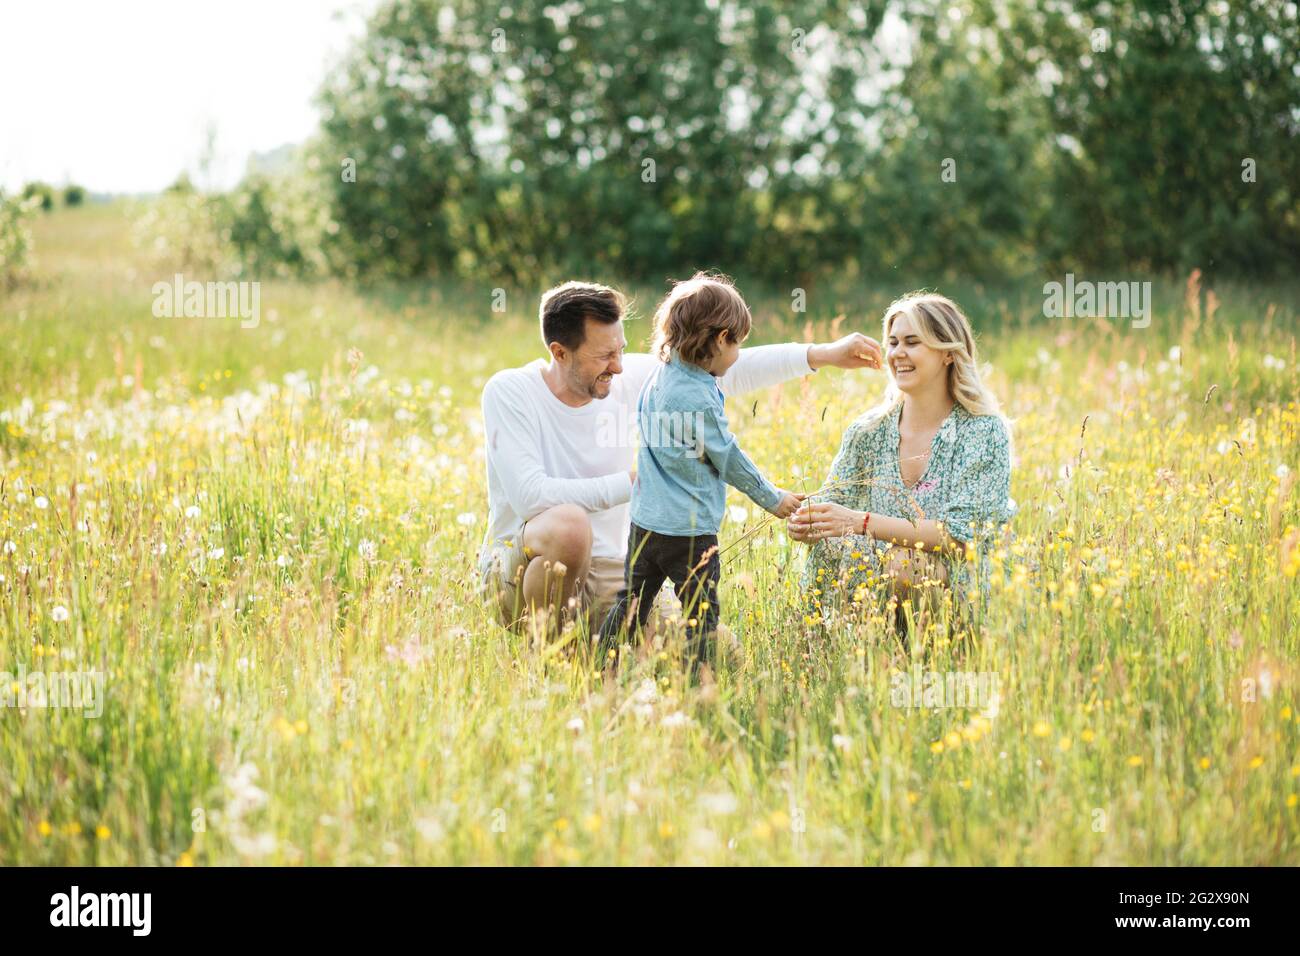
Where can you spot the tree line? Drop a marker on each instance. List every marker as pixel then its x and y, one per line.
pixel 637 138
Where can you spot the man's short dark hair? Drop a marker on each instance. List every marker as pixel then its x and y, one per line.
pixel 566 308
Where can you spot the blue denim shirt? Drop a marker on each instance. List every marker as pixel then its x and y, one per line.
pixel 688 455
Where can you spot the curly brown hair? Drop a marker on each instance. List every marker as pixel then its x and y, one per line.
pixel 690 317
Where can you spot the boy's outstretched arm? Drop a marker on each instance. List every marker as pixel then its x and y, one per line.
pixel 736 469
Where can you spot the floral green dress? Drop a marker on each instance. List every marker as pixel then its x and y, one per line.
pixel 965 487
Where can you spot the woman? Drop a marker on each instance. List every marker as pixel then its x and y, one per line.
pixel 920 477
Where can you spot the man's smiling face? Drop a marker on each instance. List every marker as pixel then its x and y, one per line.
pixel 582 327
pixel 591 367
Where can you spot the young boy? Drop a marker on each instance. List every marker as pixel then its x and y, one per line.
pixel 687 458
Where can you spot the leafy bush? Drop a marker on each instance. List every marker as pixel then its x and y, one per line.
pixel 185 230
pixel 281 224
pixel 270 225
pixel 15 238
pixel 42 193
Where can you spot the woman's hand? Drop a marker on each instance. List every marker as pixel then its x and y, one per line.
pixel 798 529
pixel 819 520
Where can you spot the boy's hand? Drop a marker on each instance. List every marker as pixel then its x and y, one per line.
pixel 788 504
pixel 854 350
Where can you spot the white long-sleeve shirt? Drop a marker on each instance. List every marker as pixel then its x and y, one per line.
pixel 542 452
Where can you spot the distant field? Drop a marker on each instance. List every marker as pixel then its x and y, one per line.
pixel 264 540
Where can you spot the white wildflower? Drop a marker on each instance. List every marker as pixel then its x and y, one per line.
pixel 244 795
pixel 646 692
pixel 719 804
pixel 703 840
pixel 264 844
pixel 430 829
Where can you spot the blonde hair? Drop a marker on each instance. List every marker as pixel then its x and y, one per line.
pixel 942 326
pixel 690 317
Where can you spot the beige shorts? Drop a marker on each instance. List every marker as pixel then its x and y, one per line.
pixel 502 578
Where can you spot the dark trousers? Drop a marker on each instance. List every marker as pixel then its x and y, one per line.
pixel 691 563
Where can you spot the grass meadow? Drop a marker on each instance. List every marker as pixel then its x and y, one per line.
pixel 265 540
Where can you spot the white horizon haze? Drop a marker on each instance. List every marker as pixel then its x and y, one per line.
pixel 119 98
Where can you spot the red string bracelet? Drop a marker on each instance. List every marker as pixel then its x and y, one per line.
pixel 866 519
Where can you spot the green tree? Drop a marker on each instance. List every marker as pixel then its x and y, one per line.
pixel 633 135
pixel 1160 113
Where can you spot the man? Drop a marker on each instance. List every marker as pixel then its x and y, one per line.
pixel 561 450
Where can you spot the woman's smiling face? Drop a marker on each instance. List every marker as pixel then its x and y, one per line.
pixel 912 363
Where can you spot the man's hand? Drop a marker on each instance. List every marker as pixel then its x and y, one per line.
pixel 788 504
pixel 855 350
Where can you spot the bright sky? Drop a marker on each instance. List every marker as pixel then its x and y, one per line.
pixel 117 96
